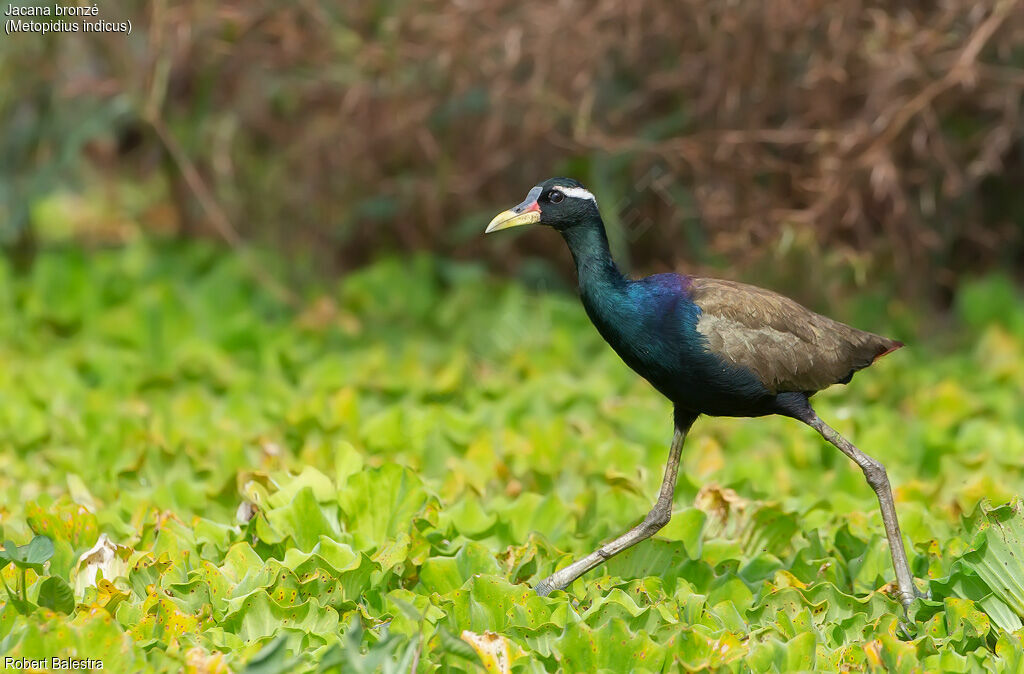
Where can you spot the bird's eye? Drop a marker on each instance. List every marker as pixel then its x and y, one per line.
pixel 555 196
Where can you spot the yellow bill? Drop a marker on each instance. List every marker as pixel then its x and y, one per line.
pixel 526 213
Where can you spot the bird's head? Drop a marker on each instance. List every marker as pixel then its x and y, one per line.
pixel 558 202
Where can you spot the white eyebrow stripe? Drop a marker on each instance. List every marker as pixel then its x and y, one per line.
pixel 576 193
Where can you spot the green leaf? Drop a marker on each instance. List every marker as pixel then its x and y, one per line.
pixel 273 658
pixel 56 594
pixel 653 557
pixel 38 550
pixel 444 574
pixel 613 647
pixel 65 521
pixel 467 517
pixel 30 556
pixel 304 519
pixel 453 645
pixel 258 616
pixel 380 503
pixel 998 554
pixel 321 486
pixel 488 603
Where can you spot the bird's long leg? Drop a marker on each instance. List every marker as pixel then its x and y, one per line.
pixel 879 481
pixel 658 517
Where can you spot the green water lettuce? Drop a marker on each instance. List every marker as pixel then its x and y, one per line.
pixel 197 477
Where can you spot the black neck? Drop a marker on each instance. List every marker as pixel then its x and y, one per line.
pixel 588 244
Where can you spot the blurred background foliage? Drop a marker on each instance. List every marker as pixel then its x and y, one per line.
pixel 810 145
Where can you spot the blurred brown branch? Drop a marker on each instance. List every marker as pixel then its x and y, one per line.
pixel 216 214
pixel 881 130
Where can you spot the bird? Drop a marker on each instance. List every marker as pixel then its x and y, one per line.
pixel 712 347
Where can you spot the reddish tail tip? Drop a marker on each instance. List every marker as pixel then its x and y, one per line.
pixel 895 345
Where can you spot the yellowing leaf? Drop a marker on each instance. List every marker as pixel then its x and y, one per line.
pixel 492 649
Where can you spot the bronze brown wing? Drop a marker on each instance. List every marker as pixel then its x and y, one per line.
pixel 787 346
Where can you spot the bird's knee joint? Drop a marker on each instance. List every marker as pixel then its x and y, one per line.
pixel 658 517
pixel 876 476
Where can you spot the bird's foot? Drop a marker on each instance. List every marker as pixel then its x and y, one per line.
pixel 907 598
pixel 907 625
pixel 906 629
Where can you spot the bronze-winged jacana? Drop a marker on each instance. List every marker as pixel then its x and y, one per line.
pixel 711 347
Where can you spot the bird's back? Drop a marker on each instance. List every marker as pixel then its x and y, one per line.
pixel 787 346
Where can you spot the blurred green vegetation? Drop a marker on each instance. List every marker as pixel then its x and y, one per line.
pixel 778 142
pixel 377 476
